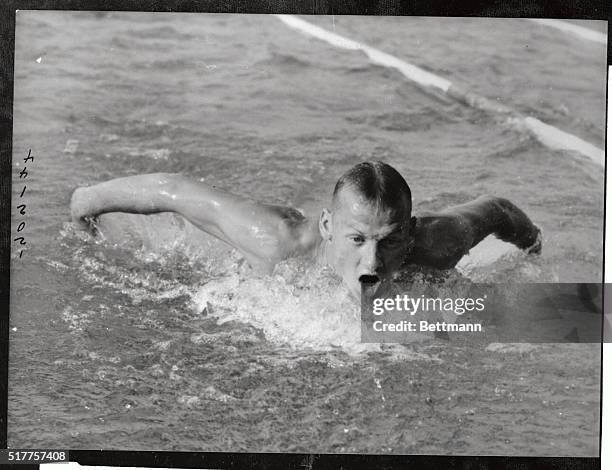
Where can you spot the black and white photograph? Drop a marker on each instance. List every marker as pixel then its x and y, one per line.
pixel 203 203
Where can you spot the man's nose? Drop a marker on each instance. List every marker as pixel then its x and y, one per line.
pixel 370 259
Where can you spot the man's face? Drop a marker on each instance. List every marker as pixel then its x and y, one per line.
pixel 366 244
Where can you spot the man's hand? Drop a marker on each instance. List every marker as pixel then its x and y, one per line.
pixel 536 247
pixel 79 210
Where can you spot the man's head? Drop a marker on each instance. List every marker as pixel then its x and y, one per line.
pixel 366 232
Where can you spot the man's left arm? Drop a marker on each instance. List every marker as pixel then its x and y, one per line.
pixel 442 239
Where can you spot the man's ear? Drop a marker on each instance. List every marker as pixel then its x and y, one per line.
pixel 325 224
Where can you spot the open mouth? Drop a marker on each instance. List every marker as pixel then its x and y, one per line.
pixel 369 284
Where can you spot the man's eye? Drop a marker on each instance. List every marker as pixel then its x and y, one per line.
pixel 357 240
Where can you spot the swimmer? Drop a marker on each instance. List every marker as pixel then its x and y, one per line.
pixel 367 234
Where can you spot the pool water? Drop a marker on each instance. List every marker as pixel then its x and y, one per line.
pixel 155 336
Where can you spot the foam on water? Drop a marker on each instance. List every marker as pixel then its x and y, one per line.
pixel 310 309
pixel 301 305
pixel 496 261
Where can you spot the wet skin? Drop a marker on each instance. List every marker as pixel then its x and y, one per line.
pixel 358 239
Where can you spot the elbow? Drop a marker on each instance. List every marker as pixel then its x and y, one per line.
pixel 500 209
pixel 168 187
pixel 167 179
pixel 495 201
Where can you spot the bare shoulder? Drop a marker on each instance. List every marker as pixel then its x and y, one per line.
pixel 298 234
pixel 286 214
pixel 441 240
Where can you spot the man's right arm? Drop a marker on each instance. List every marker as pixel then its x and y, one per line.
pixel 264 234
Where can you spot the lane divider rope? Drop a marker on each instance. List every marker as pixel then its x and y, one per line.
pixel 581 31
pixel 547 135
